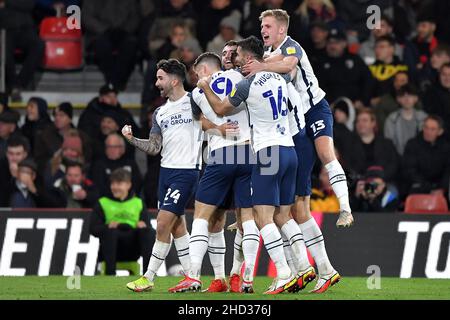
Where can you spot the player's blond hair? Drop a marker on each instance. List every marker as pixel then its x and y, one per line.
pixel 279 14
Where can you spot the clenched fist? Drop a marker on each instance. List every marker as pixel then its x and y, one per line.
pixel 127 132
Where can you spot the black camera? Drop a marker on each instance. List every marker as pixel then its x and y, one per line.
pixel 370 187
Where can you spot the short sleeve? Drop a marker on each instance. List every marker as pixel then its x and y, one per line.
pixel 196 111
pixel 156 129
pixel 291 48
pixel 240 93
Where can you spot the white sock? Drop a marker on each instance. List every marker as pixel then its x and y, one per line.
pixel 288 254
pixel 197 246
pixel 216 250
pixel 338 182
pixel 159 254
pixel 316 245
pixel 274 245
pixel 238 255
pixel 293 233
pixel 182 246
pixel 250 246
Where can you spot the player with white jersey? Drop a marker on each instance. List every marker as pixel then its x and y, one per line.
pixel 273 185
pixel 229 168
pixel 286 55
pixel 178 136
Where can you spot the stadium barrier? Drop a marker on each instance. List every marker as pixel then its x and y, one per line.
pixel 54 242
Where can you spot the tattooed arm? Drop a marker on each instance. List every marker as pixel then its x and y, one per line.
pixel 153 144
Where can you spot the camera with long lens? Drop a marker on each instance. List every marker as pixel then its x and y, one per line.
pixel 370 187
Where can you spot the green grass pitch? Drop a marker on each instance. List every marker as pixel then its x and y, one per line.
pixel 112 288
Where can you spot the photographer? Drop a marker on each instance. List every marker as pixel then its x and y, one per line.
pixel 372 194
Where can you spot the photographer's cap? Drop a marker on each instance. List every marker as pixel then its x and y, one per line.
pixel 375 172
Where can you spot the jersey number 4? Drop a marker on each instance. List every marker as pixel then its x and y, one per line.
pixel 175 195
pixel 279 105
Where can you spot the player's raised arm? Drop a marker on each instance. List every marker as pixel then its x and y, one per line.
pixel 152 145
pixel 278 64
pixel 220 107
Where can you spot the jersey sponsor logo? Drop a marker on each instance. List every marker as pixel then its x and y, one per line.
pixel 291 50
pixel 222 85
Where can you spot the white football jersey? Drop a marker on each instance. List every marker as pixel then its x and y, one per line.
pixel 222 83
pixel 182 135
pixel 266 96
pixel 305 81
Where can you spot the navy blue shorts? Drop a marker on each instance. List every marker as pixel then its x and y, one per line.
pixel 175 188
pixel 228 170
pixel 319 120
pixel 306 154
pixel 273 177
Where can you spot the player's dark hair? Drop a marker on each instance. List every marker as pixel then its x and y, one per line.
pixel 386 38
pixel 436 118
pixel 120 175
pixel 252 45
pixel 173 67
pixel 230 43
pixel 387 19
pixel 210 58
pixel 17 141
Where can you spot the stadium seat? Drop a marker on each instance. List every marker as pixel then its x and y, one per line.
pixel 426 203
pixel 131 266
pixel 63 47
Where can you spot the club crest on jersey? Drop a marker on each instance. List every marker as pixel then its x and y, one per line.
pixel 291 50
pixel 281 129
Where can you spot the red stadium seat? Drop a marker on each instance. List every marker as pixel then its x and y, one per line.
pixel 426 203
pixel 63 47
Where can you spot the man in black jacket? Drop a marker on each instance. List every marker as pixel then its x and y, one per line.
pixel 16 18
pixel 437 98
pixel 122 223
pixel 106 103
pixel 426 161
pixel 341 73
pixel 373 148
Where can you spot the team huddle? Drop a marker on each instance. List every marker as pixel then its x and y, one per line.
pixel 266 120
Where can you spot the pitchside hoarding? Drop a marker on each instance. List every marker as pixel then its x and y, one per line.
pixel 55 242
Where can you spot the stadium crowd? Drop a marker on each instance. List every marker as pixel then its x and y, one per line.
pixel 389 88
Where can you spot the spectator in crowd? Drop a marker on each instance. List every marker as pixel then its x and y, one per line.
pixel 316 44
pixel 115 158
pixel 211 14
pixel 344 112
pixel 51 138
pixel 429 75
pixel 110 27
pixel 75 190
pixel 373 194
pixel 189 51
pixel 250 19
pixel 387 103
pixel 367 49
pixel 386 66
pixel 308 13
pixel 343 74
pixel 37 119
pixel 437 98
pixel 323 198
pixel 17 20
pixel 71 150
pixel 8 129
pixel 375 149
pixel 27 192
pixel 179 32
pixel 418 50
pixel 229 30
pixel 106 102
pixel 406 123
pixel 122 223
pixel 17 150
pixel 426 161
